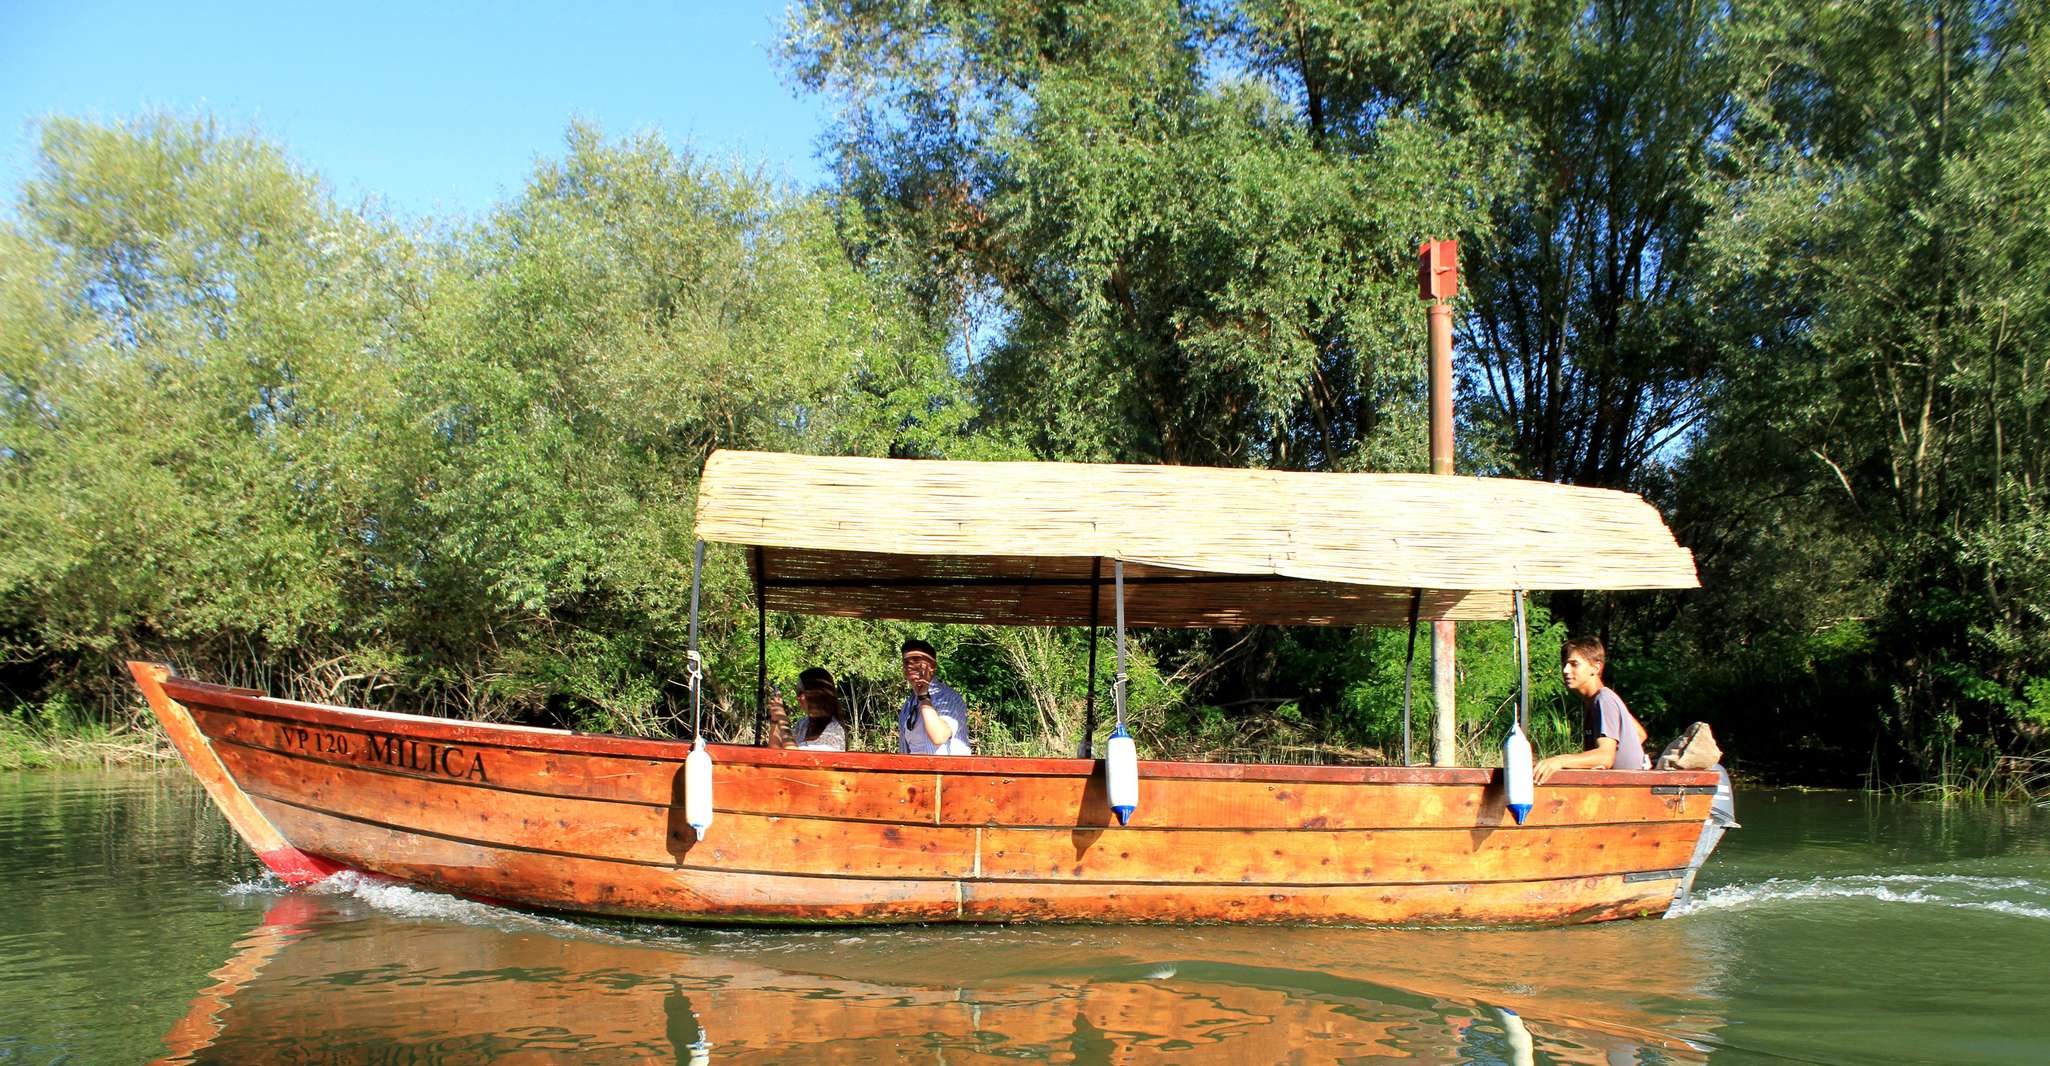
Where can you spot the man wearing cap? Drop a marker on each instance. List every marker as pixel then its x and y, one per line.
pixel 934 720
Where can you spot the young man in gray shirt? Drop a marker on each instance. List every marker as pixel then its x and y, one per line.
pixel 1613 738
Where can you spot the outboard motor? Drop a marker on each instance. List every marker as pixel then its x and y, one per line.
pixel 1722 817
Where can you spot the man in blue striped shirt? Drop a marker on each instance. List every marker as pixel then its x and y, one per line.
pixel 934 719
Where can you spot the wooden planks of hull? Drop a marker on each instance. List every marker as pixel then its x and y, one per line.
pixel 913 794
pixel 857 795
pixel 603 886
pixel 1572 899
pixel 606 886
pixel 824 847
pixel 589 823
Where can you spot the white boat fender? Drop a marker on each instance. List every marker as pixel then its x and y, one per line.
pixel 1516 772
pixel 697 788
pixel 1121 763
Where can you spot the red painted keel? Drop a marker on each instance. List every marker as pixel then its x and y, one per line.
pixel 298 868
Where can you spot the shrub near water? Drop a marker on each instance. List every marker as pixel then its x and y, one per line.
pixel 197 349
pixel 278 443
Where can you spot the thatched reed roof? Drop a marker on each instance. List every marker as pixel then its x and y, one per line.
pixel 1025 543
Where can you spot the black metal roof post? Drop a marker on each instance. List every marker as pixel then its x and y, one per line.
pixel 1087 749
pixel 1416 600
pixel 761 644
pixel 1117 685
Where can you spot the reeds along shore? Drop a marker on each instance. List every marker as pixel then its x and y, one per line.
pixel 82 747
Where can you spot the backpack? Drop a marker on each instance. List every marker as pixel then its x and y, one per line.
pixel 1694 749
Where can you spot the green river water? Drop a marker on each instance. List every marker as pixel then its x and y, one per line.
pixel 1832 928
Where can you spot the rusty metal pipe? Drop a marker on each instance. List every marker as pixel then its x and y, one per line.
pixel 1437 281
pixel 1441 388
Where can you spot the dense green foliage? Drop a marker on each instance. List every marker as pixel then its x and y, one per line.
pixel 274 442
pixel 1786 270
pixel 1869 492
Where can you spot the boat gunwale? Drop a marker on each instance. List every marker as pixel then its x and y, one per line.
pixel 544 739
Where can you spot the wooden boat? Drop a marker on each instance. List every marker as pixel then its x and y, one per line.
pixel 590 823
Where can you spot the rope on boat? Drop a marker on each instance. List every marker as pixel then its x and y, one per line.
pixel 1117 687
pixel 1522 665
pixel 697 703
pixel 1518 791
pixel 697 766
pixel 1121 756
pixel 695 662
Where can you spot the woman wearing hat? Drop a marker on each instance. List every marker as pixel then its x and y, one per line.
pixel 824 725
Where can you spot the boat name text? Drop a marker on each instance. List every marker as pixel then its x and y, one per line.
pixel 419 756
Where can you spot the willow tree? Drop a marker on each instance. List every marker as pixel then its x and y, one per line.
pixel 1171 233
pixel 1883 267
pixel 198 347
pixel 259 435
pixel 1589 346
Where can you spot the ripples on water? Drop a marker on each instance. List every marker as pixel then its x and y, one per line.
pixel 1827 931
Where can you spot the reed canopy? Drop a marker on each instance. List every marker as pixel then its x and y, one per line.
pixel 1031 543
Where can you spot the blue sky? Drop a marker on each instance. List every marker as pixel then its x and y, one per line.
pixel 433 109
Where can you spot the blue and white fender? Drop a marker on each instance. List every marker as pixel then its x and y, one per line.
pixel 1516 772
pixel 1121 763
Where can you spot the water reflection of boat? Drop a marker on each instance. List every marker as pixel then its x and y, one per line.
pixel 598 824
pixel 321 982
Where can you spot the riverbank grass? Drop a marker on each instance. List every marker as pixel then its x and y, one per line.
pixel 58 733
pixel 1985 776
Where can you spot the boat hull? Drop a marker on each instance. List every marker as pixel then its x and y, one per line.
pixel 590 823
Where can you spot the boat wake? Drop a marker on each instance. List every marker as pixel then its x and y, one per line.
pixel 404 901
pixel 263 884
pixel 396 900
pixel 2020 897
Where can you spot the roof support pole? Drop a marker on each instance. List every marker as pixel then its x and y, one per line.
pixel 761 645
pixel 1416 600
pixel 1444 696
pixel 1438 279
pixel 1087 748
